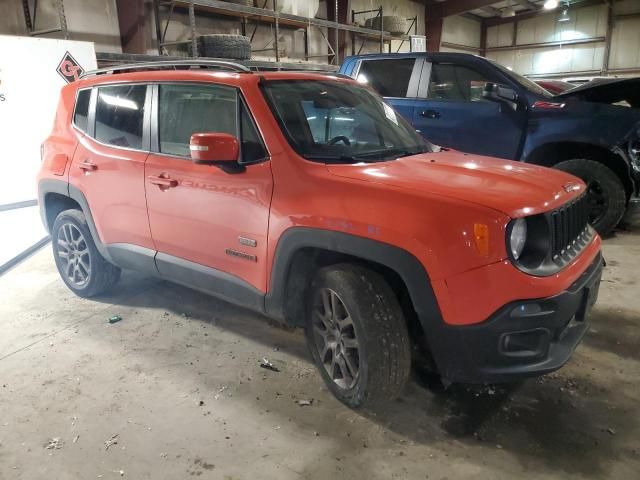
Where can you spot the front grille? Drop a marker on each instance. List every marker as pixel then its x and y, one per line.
pixel 569 228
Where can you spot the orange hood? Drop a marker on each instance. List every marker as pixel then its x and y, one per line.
pixel 514 188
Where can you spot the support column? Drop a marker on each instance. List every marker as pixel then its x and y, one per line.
pixel 131 25
pixel 338 11
pixel 483 39
pixel 607 39
pixel 433 26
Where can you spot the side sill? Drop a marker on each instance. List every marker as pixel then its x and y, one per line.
pixel 209 280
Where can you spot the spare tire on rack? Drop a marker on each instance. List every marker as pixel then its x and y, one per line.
pixel 248 3
pixel 390 23
pixel 217 45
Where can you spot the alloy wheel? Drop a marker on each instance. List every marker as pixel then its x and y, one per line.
pixel 335 338
pixel 73 252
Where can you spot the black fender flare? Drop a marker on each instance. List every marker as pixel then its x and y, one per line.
pixel 45 187
pixel 403 263
pixel 62 187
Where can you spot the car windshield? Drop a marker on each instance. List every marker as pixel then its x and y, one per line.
pixel 523 81
pixel 339 122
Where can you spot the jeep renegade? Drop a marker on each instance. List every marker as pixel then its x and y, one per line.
pixel 307 198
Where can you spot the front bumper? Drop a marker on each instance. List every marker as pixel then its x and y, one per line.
pixel 523 338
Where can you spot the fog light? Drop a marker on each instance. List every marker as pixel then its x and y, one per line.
pixel 531 343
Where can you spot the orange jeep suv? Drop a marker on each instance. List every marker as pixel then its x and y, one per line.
pixel 305 197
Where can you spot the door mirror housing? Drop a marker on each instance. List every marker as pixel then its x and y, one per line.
pixel 216 148
pixel 500 93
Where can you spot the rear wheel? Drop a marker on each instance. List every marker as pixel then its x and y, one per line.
pixel 605 192
pixel 357 335
pixel 79 262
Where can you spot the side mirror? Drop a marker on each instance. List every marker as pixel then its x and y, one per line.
pixel 500 93
pixel 214 149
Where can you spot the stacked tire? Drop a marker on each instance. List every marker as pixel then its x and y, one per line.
pixel 247 3
pixel 237 47
pixel 390 23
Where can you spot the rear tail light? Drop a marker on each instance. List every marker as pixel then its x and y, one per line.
pixel 541 105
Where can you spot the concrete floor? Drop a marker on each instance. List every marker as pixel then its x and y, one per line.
pixel 178 381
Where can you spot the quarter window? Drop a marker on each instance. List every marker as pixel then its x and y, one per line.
pixel 252 147
pixel 455 82
pixel 81 112
pixel 188 109
pixel 388 77
pixel 119 115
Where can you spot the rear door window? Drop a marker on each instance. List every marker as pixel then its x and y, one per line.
pixel 81 112
pixel 120 114
pixel 389 77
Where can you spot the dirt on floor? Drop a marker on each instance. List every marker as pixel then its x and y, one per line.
pixel 175 390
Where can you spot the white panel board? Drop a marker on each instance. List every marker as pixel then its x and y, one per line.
pixel 29 90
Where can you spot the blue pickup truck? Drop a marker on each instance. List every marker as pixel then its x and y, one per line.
pixel 475 105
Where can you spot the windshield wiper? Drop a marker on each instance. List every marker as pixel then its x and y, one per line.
pixel 368 157
pixel 391 153
pixel 333 158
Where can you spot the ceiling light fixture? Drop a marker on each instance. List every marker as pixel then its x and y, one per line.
pixel 564 17
pixel 550 4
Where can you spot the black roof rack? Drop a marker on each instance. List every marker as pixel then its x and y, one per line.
pixel 170 65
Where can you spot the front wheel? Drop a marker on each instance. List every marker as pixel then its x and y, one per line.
pixel 606 195
pixel 79 262
pixel 357 335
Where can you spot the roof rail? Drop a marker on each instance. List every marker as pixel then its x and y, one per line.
pixel 170 64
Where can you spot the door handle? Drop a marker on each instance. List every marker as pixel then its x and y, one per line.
pixel 430 113
pixel 87 166
pixel 163 180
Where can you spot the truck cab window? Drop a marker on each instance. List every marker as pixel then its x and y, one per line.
pixel 456 82
pixel 389 77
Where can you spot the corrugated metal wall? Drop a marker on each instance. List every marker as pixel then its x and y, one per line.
pixel 460 34
pixel 587 24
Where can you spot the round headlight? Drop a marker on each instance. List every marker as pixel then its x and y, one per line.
pixel 518 237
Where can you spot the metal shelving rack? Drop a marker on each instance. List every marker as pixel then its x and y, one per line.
pixel 259 16
pixel 30 19
pixel 380 14
pixel 108 59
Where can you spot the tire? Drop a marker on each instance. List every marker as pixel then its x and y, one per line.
pixel 606 193
pixel 237 47
pixel 248 3
pixel 390 23
pixel 382 358
pixel 70 236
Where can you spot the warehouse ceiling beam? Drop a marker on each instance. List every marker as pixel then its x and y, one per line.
pixel 528 5
pixel 449 8
pixel 492 11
